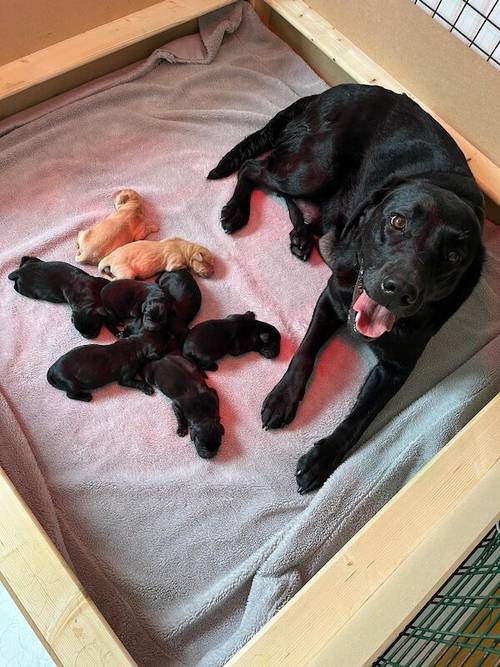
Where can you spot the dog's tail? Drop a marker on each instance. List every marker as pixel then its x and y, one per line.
pixel 258 142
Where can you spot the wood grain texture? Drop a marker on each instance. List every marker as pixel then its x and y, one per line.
pixel 40 66
pixel 48 594
pixel 359 601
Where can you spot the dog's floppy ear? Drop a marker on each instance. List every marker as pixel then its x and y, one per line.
pixel 27 258
pixel 88 321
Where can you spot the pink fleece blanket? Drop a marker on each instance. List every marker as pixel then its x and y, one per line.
pixel 187 557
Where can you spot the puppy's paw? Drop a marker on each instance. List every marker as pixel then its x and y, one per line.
pixel 301 244
pixel 234 217
pixel 316 465
pixel 279 407
pixel 148 390
pixel 182 430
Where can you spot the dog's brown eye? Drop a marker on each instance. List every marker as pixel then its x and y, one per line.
pixel 453 257
pixel 398 222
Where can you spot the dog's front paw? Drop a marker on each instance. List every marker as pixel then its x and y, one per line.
pixel 279 407
pixel 233 217
pixel 301 244
pixel 148 390
pixel 316 465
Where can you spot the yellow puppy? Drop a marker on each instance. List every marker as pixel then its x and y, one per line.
pixel 125 225
pixel 143 259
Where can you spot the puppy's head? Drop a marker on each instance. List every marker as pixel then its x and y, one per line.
pixel 154 314
pixel 268 340
pixel 207 437
pixel 416 243
pixel 126 196
pixel 202 262
pixel 88 321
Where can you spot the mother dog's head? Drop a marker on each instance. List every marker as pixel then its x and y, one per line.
pixel 415 244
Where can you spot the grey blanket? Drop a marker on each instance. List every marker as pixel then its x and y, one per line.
pixel 187 558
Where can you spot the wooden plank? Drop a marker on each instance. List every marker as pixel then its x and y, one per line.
pixel 62 57
pixel 356 604
pixel 363 69
pixel 47 592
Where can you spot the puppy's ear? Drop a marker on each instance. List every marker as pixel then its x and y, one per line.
pixel 265 337
pixel 151 352
pixel 87 321
pixel 27 258
pixel 198 257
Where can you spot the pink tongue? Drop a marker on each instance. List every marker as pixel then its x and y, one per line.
pixel 373 319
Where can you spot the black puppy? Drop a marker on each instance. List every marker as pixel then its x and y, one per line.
pixel 59 282
pixel 92 366
pixel 235 335
pixel 400 220
pixel 144 303
pixel 195 405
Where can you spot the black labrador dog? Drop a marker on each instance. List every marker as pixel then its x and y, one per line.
pixel 400 220
pixel 195 404
pixel 235 335
pixel 59 282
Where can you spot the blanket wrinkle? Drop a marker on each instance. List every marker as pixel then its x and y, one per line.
pixel 188 558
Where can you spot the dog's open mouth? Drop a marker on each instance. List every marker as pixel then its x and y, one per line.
pixel 370 319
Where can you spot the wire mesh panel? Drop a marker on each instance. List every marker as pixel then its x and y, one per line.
pixel 476 22
pixel 460 626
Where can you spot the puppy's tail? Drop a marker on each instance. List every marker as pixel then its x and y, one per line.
pixel 258 142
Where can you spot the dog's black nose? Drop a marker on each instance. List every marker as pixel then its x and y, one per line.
pixel 399 290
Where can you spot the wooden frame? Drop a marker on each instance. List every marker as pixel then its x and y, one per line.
pixel 434 520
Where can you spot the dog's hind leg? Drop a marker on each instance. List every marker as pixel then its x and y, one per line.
pixel 127 381
pixel 301 236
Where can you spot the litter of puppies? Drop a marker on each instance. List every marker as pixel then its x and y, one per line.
pixel 155 347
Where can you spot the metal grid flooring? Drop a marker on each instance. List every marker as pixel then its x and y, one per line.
pixel 476 22
pixel 460 625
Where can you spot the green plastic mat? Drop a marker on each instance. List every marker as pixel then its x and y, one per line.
pixel 460 625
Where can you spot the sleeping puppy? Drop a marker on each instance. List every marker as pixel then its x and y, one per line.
pixel 235 335
pixel 59 282
pixel 127 224
pixel 92 366
pixel 195 405
pixel 144 303
pixel 143 259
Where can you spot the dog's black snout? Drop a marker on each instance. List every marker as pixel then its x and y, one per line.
pixel 399 290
